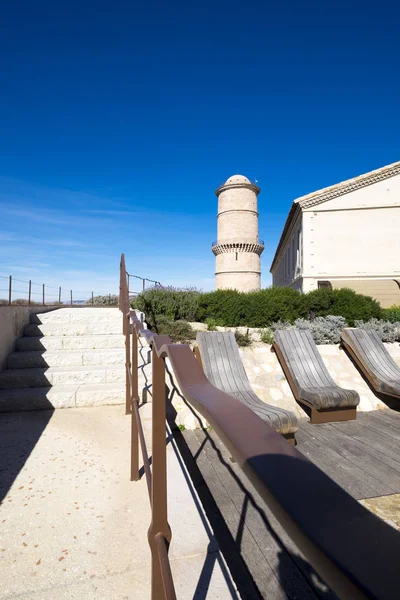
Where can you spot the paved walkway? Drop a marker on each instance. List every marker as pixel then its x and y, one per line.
pixel 72 525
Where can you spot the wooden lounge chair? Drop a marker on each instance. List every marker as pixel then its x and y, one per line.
pixel 373 359
pixel 309 379
pixel 223 367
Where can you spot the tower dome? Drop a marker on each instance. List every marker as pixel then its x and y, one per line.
pixel 238 248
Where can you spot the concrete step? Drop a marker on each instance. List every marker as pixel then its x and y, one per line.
pixel 75 315
pixel 63 358
pixel 70 342
pixel 54 376
pixel 85 327
pixel 66 396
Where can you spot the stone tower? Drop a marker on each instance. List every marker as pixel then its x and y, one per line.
pixel 238 248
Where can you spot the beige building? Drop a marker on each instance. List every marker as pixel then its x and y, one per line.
pixel 345 235
pixel 238 248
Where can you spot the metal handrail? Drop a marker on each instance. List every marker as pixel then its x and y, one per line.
pixel 354 551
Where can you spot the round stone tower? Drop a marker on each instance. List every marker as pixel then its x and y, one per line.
pixel 238 248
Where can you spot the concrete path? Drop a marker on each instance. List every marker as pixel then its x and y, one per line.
pixel 72 525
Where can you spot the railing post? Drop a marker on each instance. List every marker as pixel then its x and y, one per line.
pixel 10 290
pixel 71 297
pixel 29 291
pixel 128 391
pixel 43 295
pixel 59 295
pixel 159 521
pixel 92 299
pixel 134 403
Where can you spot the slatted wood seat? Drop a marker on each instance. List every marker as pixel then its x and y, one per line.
pixel 309 379
pixel 373 359
pixel 222 365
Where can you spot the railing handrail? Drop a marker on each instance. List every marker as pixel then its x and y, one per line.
pixel 354 551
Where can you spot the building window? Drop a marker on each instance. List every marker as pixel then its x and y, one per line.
pixel 324 285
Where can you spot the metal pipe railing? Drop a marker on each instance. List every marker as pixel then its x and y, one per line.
pixel 354 551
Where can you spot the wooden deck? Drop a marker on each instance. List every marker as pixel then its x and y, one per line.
pixel 362 456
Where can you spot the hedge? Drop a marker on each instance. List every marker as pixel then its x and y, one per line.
pixel 231 308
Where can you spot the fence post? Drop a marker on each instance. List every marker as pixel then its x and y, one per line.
pixel 92 299
pixel 59 295
pixel 144 284
pixel 29 291
pixel 71 297
pixel 109 298
pixel 43 294
pixel 10 290
pixel 159 518
pixel 134 404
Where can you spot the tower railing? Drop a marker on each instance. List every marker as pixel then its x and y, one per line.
pixel 354 551
pixel 238 241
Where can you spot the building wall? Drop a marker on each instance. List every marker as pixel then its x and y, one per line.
pixel 354 236
pixel 289 268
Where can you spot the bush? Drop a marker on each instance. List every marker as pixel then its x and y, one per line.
pixel 243 339
pixel 267 336
pixel 325 330
pixel 169 302
pixel 211 324
pixel 109 300
pixel 231 308
pixel 391 314
pixel 225 307
pixel 342 302
pixel 387 331
pixel 178 331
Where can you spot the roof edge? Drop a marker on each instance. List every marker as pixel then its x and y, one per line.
pixel 349 185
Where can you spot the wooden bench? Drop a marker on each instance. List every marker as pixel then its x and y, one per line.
pixel 368 352
pixel 309 379
pixel 219 355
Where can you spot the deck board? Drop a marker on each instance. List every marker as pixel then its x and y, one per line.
pixel 362 456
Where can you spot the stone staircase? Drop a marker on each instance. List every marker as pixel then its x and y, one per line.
pixel 67 357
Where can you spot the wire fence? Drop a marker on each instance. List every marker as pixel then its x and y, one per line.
pixel 27 292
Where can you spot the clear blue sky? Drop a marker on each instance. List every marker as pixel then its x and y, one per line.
pixel 119 119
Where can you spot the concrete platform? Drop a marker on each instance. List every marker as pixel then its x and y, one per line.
pixel 74 527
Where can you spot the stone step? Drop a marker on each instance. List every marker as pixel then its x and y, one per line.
pixel 65 396
pixel 63 358
pixel 77 315
pixel 70 342
pixel 86 327
pixel 54 376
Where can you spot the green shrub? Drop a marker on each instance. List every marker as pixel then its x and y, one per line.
pixel 178 331
pixel 391 314
pixel 169 302
pixel 107 300
pixel 211 324
pixel 271 304
pixel 342 302
pixel 225 307
pixel 243 339
pixel 267 336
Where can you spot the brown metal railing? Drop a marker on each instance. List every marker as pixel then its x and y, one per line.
pixel 354 551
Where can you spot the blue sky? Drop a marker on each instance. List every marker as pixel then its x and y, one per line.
pixel 119 119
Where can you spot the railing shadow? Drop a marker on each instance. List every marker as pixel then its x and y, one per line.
pixel 291 567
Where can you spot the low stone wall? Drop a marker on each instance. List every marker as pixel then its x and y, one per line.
pixel 269 382
pixel 12 322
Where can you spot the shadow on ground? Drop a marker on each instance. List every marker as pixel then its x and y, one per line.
pixel 281 573
pixel 19 433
